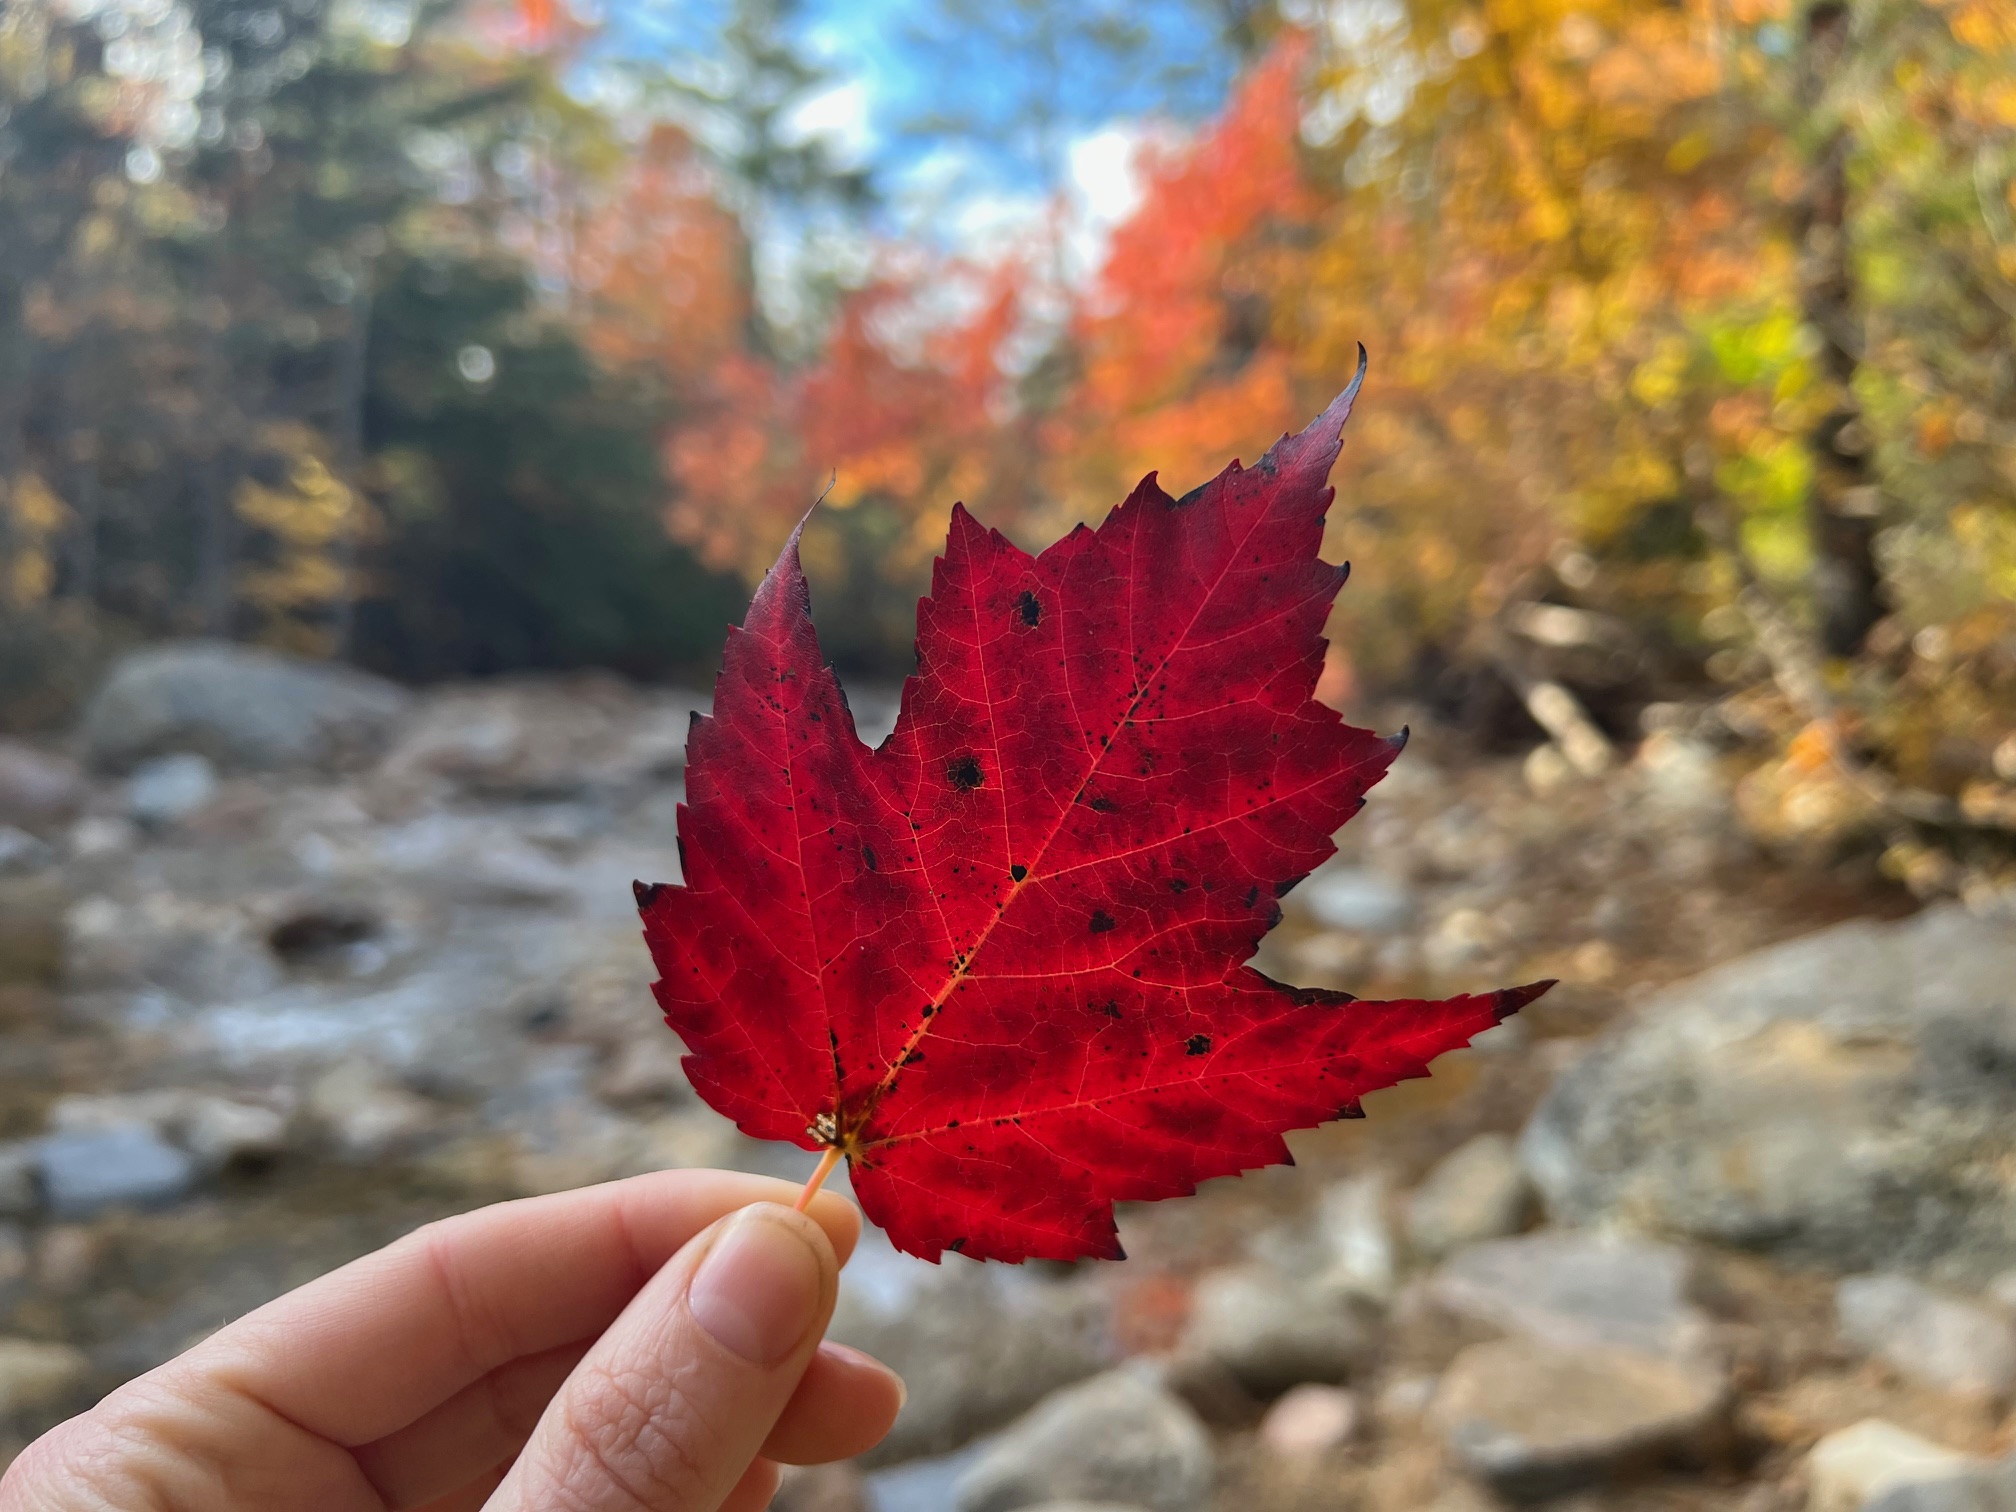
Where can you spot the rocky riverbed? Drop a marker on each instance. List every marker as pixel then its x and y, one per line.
pixel 291 961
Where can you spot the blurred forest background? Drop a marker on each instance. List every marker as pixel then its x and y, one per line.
pixel 456 337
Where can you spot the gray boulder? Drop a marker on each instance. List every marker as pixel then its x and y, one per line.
pixel 20 1165
pixel 1476 1192
pixel 242 707
pixel 1876 1464
pixel 128 1165
pixel 35 1374
pixel 1844 1099
pixel 1989 1490
pixel 1531 1419
pixel 975 1346
pixel 542 737
pixel 22 852
pixel 1269 1331
pixel 38 789
pixel 1578 1291
pixel 166 790
pixel 1114 1438
pixel 1936 1340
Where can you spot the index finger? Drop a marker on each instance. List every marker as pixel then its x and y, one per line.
pixel 370 1347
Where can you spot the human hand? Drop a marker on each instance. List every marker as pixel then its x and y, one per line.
pixel 651 1345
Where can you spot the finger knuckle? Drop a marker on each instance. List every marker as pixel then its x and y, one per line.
pixel 484 1334
pixel 96 1463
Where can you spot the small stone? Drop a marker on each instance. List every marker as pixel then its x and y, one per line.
pixel 1988 1490
pixel 1115 1437
pixel 1937 1340
pixel 1462 937
pixel 1547 770
pixel 222 1133
pixel 1310 1421
pixel 367 1113
pixel 2001 1292
pixel 1577 1290
pixel 125 1166
pixel 1461 1496
pixel 36 1374
pixel 1531 1419
pixel 1270 1331
pixel 95 1112
pixel 67 1257
pixel 32 938
pixel 821 1488
pixel 1356 898
pixel 101 835
pixel 169 789
pixel 1475 1193
pixel 1404 1399
pixel 20 1160
pixel 21 851
pixel 1682 775
pixel 921 1485
pixel 976 1347
pixel 1352 1226
pixel 1852 1468
pixel 218 1131
pixel 38 790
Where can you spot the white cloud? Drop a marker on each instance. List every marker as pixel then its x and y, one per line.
pixel 1105 172
pixel 842 117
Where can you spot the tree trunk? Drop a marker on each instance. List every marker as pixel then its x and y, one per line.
pixel 1844 506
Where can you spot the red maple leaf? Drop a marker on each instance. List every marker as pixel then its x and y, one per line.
pixel 996 961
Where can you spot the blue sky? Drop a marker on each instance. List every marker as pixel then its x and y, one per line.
pixel 979 119
pixel 1003 96
pixel 998 86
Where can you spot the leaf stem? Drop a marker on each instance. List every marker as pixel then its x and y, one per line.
pixel 826 1163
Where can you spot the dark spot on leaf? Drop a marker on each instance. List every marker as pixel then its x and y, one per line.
pixel 1111 1008
pixel 1102 921
pixel 1197 1044
pixel 1189 498
pixel 647 892
pixel 964 774
pixel 1028 608
pixel 1178 885
pixel 1018 872
pixel 1282 889
pixel 868 855
pixel 1274 916
pixel 1352 1109
pixel 1252 895
pixel 1104 806
pixel 913 1057
pixel 957 1245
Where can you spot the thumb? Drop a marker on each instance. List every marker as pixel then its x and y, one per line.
pixel 668 1409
